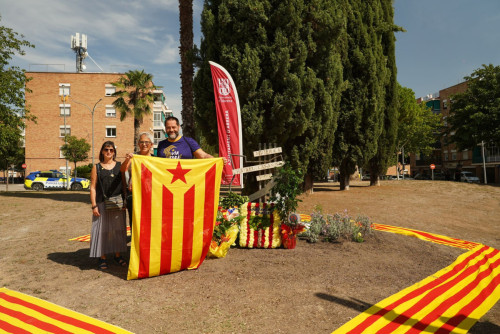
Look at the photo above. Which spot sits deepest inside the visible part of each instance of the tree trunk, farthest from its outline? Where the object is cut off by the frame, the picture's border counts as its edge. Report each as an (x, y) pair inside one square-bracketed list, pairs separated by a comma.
[(6, 179), (187, 72), (344, 181), (137, 126), (374, 180), (308, 184)]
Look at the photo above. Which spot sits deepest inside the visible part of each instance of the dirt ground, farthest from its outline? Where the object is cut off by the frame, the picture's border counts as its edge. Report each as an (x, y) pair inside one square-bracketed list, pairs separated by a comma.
[(314, 288)]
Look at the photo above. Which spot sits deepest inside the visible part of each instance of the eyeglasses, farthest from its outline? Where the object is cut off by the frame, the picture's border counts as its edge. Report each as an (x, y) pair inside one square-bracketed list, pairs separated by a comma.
[(108, 150), (144, 142)]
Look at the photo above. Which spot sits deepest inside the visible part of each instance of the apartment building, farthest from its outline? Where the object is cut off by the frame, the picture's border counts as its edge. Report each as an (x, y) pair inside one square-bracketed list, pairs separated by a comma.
[(446, 157), (86, 112)]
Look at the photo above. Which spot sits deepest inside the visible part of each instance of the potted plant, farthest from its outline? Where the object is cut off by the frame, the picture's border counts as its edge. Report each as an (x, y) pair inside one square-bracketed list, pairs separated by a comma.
[(288, 186)]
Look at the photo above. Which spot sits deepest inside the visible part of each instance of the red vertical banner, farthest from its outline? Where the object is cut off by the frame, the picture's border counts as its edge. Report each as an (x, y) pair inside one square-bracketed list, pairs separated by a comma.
[(227, 107)]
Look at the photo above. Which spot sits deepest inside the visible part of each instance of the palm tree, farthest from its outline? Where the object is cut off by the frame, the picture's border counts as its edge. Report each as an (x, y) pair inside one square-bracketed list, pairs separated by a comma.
[(186, 53), (135, 97)]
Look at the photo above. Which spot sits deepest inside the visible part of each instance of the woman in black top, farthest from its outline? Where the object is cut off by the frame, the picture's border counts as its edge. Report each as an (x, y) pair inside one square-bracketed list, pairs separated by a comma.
[(109, 233)]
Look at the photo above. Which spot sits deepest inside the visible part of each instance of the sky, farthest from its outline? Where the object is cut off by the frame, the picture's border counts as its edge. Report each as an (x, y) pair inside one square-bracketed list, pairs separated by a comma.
[(444, 41)]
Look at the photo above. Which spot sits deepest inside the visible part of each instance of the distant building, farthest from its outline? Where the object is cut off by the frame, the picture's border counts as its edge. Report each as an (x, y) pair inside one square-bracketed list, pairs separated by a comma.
[(73, 116), (448, 160)]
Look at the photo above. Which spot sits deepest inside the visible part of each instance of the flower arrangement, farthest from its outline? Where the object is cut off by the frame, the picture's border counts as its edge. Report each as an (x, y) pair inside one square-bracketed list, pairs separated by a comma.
[(263, 231), (290, 229), (225, 231)]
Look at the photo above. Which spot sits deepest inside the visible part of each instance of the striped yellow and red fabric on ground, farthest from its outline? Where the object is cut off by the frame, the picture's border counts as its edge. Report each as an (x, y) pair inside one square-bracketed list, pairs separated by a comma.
[(436, 238), (86, 238), (450, 301), (20, 313), (175, 205)]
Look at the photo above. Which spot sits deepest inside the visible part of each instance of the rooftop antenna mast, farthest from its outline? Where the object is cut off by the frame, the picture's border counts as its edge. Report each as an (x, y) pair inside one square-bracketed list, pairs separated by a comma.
[(79, 45)]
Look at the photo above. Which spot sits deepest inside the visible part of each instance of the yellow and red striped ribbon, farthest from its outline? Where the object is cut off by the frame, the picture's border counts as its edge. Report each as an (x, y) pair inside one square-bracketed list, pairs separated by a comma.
[(450, 301), (86, 238), (22, 314), (436, 238)]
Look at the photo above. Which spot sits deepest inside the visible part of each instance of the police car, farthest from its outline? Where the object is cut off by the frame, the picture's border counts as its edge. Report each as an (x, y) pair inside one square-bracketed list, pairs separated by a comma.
[(53, 179)]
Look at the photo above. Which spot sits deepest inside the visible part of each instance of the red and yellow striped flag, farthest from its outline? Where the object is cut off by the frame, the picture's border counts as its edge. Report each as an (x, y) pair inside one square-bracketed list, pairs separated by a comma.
[(20, 313), (450, 301), (174, 210)]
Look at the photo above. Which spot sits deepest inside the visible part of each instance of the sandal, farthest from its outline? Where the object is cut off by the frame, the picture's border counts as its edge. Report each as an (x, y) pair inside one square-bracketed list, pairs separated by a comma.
[(102, 264), (121, 261)]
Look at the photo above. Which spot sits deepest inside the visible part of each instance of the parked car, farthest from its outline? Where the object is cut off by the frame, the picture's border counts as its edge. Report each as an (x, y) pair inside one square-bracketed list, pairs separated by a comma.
[(53, 179), (365, 177), (422, 177), (439, 176), (468, 177)]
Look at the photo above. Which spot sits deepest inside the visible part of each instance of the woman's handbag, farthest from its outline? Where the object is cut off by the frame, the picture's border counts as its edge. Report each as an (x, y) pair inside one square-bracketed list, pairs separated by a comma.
[(114, 203)]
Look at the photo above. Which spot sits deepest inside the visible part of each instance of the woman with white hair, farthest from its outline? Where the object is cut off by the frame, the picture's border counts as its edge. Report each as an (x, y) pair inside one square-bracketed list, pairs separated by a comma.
[(145, 144)]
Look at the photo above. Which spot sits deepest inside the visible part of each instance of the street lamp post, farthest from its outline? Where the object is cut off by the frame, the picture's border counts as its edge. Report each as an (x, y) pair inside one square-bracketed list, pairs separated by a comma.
[(92, 112), (64, 97), (484, 162)]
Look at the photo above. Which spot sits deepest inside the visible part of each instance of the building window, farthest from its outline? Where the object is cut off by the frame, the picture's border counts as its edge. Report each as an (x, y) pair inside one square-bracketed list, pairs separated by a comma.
[(158, 136), (465, 155), (65, 109), (109, 90), (110, 110), (62, 132), (158, 122), (453, 155), (446, 157), (61, 155), (64, 89), (445, 104), (111, 131)]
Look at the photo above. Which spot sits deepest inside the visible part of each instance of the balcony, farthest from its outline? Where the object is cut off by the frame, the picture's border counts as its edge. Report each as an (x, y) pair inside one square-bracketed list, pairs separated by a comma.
[(491, 155)]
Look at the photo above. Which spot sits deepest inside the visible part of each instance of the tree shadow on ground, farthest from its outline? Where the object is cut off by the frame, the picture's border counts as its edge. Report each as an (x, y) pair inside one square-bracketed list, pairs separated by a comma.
[(361, 306), (82, 261), (335, 186), (64, 196)]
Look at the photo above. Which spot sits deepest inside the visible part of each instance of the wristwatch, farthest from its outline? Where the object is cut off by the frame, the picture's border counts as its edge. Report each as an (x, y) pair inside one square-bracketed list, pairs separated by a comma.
[(95, 206)]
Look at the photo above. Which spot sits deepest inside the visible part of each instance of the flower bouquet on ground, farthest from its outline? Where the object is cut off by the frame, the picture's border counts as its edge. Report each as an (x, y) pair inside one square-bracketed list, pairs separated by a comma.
[(260, 227), (290, 229), (225, 231)]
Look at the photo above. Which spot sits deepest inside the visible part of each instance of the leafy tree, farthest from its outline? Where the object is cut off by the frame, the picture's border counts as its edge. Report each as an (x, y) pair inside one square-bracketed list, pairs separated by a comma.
[(284, 58), (187, 69), (367, 71), (135, 97), (475, 113), (13, 111), (75, 150), (417, 124), (379, 163)]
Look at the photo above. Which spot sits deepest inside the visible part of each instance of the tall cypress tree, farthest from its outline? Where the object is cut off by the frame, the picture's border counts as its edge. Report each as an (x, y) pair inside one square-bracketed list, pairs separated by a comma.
[(284, 59), (386, 144), (361, 116)]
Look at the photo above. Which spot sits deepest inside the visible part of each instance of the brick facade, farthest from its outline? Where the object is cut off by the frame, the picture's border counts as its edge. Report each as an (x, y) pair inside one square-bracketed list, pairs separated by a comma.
[(43, 140)]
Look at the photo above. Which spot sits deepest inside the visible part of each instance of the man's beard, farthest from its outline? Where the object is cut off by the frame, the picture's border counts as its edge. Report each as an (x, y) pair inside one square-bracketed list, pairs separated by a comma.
[(173, 135)]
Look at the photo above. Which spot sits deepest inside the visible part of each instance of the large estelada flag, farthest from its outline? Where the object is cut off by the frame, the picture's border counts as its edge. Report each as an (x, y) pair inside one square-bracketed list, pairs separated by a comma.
[(227, 107), (174, 209)]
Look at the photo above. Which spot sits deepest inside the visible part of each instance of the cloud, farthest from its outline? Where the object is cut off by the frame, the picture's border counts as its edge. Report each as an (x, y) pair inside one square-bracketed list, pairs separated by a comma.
[(169, 53)]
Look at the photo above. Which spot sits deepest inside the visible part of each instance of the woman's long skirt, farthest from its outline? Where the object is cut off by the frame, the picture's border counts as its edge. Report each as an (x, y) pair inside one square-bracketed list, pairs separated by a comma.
[(109, 232)]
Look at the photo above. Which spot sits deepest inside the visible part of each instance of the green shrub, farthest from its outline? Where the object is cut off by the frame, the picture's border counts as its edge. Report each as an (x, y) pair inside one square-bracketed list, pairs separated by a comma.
[(83, 171)]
